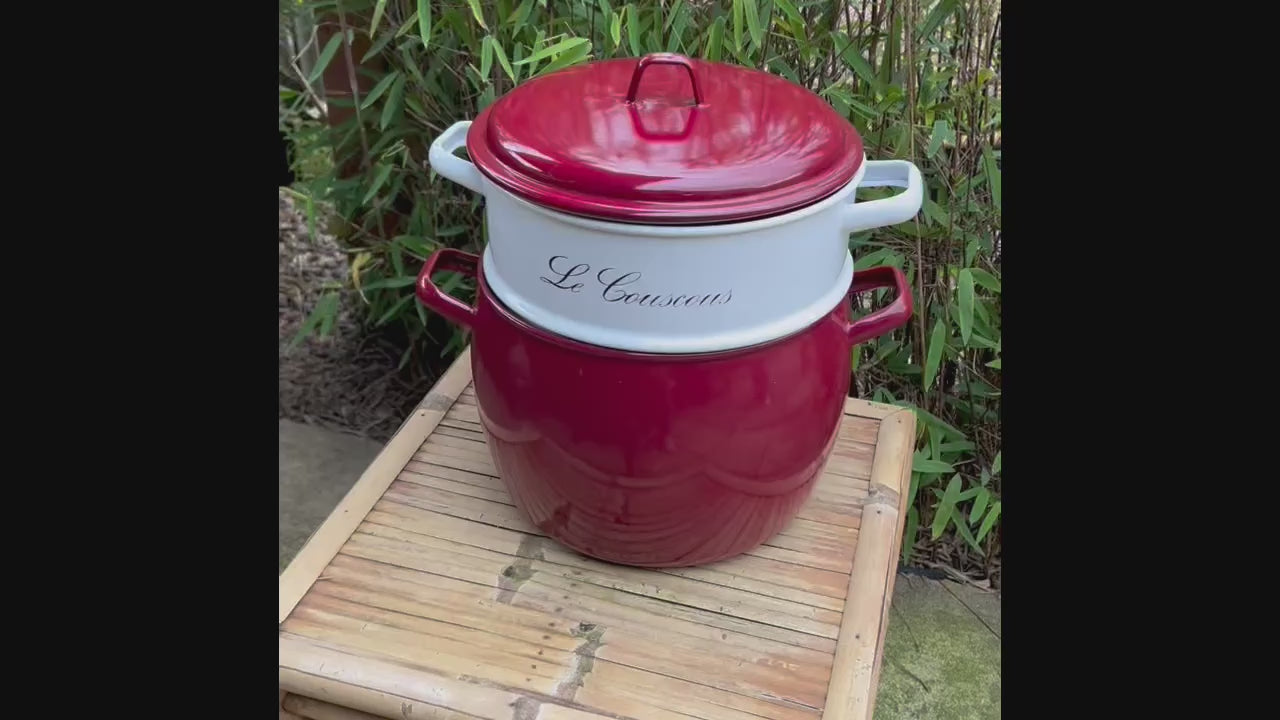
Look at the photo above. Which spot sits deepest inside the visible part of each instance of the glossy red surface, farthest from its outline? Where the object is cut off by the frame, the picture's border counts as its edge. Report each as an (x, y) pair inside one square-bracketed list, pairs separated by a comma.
[(665, 140), (657, 460)]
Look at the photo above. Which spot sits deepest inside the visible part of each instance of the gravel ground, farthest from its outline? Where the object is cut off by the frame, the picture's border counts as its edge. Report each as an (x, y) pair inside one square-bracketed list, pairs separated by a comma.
[(346, 381)]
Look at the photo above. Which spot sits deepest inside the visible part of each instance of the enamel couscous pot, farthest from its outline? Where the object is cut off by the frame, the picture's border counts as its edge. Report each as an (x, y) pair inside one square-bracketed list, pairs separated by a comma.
[(662, 332)]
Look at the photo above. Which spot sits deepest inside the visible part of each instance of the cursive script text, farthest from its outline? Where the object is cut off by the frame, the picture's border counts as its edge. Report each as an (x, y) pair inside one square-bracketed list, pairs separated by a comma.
[(621, 286), (565, 275)]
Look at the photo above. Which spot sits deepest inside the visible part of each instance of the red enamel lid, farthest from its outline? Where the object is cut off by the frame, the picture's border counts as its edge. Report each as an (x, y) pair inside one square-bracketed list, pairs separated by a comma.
[(665, 140)]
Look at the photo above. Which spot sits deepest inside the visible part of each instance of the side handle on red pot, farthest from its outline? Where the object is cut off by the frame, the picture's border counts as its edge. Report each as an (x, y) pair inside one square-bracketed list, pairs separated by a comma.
[(889, 318), (434, 298)]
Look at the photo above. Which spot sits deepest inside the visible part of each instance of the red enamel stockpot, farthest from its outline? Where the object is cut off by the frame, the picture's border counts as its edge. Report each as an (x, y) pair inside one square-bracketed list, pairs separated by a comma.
[(658, 460)]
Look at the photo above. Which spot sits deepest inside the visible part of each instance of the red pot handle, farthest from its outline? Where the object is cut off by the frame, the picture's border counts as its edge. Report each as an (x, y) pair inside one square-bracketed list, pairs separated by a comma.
[(663, 59), (889, 318), (436, 299)]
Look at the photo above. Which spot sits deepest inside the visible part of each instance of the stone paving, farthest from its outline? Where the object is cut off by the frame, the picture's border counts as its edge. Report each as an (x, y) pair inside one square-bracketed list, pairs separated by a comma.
[(942, 652), (317, 467)]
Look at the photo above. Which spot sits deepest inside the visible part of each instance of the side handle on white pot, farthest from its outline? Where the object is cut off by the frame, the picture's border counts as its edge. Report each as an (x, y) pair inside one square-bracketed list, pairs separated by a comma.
[(859, 216), (448, 165)]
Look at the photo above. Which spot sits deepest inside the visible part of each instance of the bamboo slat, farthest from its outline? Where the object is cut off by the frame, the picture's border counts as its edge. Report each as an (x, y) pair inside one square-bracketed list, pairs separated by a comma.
[(427, 594)]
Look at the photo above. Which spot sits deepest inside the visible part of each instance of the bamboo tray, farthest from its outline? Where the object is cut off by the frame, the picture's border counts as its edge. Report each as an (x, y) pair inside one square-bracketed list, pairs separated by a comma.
[(426, 594)]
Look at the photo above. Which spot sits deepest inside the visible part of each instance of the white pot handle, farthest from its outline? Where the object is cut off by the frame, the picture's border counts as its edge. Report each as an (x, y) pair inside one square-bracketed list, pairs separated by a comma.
[(448, 165), (902, 207)]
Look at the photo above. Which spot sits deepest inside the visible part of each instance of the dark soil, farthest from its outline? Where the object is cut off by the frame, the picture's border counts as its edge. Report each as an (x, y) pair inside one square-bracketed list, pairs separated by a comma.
[(347, 381)]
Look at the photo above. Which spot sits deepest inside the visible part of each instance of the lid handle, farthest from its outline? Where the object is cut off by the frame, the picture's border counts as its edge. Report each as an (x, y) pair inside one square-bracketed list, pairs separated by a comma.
[(663, 59)]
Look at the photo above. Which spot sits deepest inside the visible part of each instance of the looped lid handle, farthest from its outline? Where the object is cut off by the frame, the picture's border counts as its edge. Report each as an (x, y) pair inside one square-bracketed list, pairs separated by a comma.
[(663, 59)]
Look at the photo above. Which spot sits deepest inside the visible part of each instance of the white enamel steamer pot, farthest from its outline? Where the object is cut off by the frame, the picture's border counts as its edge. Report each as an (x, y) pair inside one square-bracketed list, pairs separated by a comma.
[(670, 205)]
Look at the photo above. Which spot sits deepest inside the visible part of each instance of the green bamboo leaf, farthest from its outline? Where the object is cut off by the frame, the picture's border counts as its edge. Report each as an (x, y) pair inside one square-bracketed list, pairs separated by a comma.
[(486, 98), (322, 316), (520, 14), (737, 25), (986, 279), (486, 57), (964, 294), (781, 67), (995, 466), (923, 464), (979, 506), (892, 52), (415, 107), (909, 534), (902, 142), (326, 56), (422, 315), (994, 364), (863, 109), (671, 14), (852, 56), (562, 46), (993, 175), (789, 11), (395, 282), (933, 212), (956, 446), (410, 23), (415, 245), (412, 66), (395, 100), (377, 16), (378, 47), (967, 534), (382, 320), (876, 258), (502, 60), (397, 259), (477, 12), (715, 40), (384, 171), (989, 521), (424, 22), (942, 133), (940, 12), (573, 56), (946, 506), (933, 421), (652, 43), (933, 355), (675, 39), (378, 89), (615, 29), (752, 13), (633, 30)]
